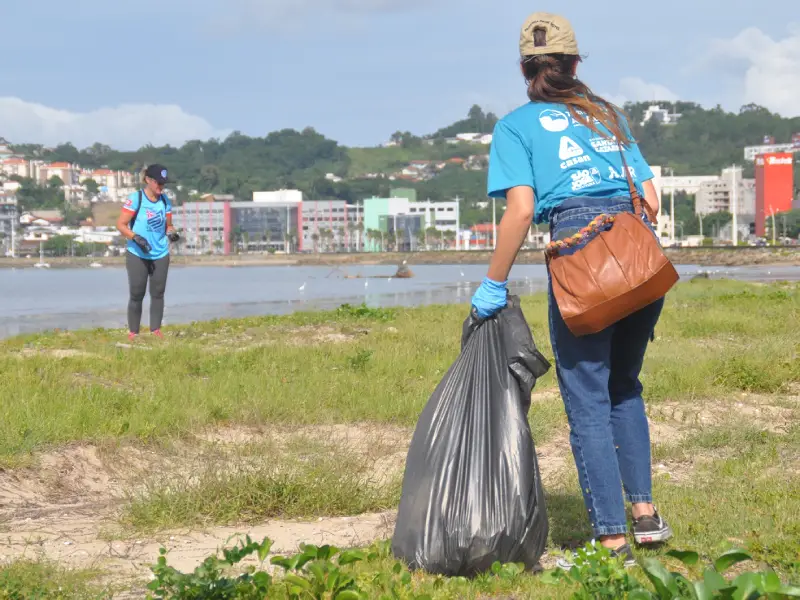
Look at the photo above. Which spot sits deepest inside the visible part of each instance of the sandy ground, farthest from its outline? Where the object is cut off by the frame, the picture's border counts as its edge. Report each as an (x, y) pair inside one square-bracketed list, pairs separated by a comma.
[(65, 506)]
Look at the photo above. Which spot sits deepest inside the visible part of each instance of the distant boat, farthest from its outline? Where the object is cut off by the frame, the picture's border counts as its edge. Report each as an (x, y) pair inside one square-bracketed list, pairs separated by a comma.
[(96, 265)]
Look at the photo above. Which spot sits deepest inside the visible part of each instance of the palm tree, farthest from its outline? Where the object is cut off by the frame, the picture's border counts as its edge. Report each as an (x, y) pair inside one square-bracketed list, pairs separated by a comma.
[(203, 241), (360, 230), (340, 234), (431, 233), (450, 236), (246, 240), (329, 236), (323, 236), (315, 239), (218, 245)]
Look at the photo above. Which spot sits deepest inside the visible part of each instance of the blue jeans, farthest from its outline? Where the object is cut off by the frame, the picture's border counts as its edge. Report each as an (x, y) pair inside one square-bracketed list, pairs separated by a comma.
[(598, 375)]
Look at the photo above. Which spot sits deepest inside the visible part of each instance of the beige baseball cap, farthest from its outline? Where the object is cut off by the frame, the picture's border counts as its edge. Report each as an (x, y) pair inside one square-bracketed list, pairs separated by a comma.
[(560, 35)]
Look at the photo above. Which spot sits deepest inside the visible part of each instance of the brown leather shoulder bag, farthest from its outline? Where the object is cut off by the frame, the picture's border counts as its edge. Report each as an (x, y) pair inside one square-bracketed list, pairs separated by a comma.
[(619, 271)]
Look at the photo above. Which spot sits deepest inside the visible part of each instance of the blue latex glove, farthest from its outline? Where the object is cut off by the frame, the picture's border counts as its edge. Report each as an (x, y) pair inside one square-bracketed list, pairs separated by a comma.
[(490, 298)]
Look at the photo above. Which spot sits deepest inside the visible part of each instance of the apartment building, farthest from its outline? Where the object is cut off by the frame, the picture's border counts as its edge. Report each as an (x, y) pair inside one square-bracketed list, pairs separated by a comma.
[(334, 225), (716, 196)]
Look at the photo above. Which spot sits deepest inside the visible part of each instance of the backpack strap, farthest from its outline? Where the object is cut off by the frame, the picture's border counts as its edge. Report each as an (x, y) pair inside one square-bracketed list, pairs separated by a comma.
[(135, 214)]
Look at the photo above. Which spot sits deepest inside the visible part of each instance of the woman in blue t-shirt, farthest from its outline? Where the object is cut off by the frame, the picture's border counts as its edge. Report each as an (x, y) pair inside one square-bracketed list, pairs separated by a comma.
[(146, 222), (557, 160)]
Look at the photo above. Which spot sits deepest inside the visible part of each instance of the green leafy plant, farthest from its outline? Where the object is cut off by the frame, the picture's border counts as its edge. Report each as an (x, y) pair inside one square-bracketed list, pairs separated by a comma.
[(360, 360), (315, 573), (208, 581), (362, 311), (601, 576), (747, 586)]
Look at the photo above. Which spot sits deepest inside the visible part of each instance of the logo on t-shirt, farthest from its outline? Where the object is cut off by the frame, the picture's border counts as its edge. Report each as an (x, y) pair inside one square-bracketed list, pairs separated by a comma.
[(614, 174), (585, 178), (155, 220), (571, 153), (603, 144), (553, 120), (568, 148)]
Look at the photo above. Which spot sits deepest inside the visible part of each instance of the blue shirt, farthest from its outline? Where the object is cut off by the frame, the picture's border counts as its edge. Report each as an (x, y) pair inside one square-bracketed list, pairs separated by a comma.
[(151, 224), (542, 146)]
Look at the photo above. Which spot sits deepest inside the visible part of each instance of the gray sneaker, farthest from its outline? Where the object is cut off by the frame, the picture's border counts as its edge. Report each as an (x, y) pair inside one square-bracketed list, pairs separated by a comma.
[(625, 552), (651, 530)]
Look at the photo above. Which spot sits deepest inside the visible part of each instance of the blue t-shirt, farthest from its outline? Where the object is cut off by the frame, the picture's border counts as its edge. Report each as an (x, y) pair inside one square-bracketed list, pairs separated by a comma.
[(151, 224), (542, 146)]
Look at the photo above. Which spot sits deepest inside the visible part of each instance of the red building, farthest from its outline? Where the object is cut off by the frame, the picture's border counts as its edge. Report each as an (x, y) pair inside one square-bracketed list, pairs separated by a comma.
[(774, 187)]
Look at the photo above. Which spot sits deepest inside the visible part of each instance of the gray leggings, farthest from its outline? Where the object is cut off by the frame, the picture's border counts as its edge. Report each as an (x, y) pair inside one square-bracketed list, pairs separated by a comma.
[(139, 271)]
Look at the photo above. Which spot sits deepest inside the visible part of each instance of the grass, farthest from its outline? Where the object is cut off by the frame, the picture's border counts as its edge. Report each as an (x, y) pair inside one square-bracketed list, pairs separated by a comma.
[(30, 580), (722, 375), (714, 339), (392, 159), (313, 478)]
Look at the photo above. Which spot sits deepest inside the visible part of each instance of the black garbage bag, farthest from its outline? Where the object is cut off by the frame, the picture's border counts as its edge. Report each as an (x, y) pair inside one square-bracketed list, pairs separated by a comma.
[(472, 492)]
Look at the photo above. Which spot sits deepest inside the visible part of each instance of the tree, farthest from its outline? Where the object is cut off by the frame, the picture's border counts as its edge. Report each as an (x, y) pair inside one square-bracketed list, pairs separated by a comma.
[(360, 231), (91, 186), (55, 182)]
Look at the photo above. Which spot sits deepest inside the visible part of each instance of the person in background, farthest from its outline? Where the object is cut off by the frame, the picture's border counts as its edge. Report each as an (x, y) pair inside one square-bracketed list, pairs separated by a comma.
[(557, 160), (146, 222)]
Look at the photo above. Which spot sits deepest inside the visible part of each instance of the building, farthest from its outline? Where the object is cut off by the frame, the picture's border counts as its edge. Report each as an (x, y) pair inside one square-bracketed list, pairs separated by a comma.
[(660, 115), (114, 185), (8, 224), (279, 197), (217, 198), (715, 196), (403, 223), (774, 187), (752, 152), (66, 172), (15, 165), (688, 184), (5, 149), (333, 225), (224, 227)]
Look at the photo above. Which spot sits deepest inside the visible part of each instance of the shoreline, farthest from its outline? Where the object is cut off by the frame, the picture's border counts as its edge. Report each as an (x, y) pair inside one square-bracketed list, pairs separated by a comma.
[(729, 257)]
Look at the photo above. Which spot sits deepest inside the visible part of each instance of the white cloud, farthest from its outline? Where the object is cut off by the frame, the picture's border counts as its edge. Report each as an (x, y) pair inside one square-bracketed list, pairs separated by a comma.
[(635, 89), (768, 69), (124, 127)]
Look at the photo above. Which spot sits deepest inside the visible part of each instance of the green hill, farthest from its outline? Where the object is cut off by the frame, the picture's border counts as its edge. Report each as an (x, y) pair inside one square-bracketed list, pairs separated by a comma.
[(702, 142)]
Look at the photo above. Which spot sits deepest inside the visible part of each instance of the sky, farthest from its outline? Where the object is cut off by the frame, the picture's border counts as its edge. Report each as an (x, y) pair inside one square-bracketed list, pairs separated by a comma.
[(127, 73)]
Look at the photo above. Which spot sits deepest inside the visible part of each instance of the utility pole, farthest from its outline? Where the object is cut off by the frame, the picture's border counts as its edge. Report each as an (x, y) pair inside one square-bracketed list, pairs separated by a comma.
[(13, 234), (772, 214), (458, 223), (672, 206), (734, 208)]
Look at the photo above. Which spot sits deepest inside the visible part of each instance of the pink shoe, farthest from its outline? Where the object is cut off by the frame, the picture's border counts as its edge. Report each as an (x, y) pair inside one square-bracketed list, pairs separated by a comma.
[(158, 334), (132, 336)]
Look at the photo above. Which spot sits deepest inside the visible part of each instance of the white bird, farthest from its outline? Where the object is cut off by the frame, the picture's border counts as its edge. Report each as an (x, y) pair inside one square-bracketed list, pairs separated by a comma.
[(366, 284), (462, 273), (302, 287)]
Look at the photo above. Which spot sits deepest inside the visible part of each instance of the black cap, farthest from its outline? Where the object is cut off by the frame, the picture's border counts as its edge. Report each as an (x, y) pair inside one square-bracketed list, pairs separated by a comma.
[(158, 173)]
